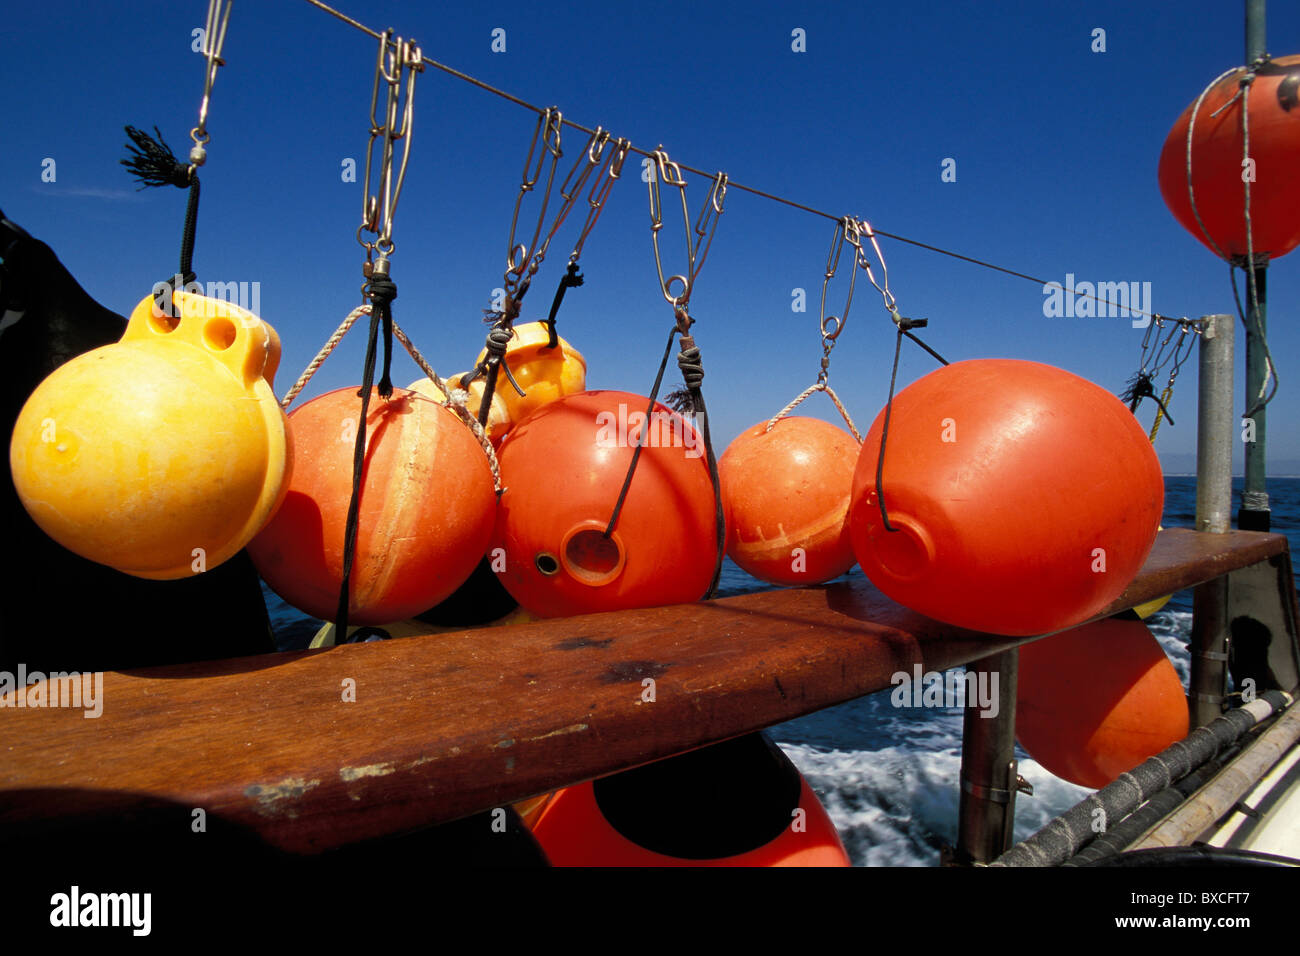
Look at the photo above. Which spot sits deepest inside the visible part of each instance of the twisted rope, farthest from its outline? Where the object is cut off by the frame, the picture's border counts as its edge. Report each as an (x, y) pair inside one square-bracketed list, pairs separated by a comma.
[(818, 387), (456, 398)]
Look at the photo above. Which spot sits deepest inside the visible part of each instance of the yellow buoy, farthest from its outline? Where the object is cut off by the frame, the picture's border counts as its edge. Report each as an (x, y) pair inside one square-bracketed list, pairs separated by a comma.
[(545, 374), (498, 418), (163, 454)]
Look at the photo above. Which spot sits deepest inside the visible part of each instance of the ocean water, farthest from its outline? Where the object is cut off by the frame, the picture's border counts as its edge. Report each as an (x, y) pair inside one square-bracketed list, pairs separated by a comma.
[(888, 776)]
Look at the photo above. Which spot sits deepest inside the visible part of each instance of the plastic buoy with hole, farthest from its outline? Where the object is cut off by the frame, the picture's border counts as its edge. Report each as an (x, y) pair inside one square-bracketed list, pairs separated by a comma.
[(787, 498), (562, 469), (1025, 498), (1095, 701), (163, 454), (427, 508), (737, 803), (498, 418), (544, 374), (1218, 175)]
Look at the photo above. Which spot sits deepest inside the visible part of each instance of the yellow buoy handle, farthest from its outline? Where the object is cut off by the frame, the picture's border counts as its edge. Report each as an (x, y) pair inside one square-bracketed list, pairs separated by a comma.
[(235, 337)]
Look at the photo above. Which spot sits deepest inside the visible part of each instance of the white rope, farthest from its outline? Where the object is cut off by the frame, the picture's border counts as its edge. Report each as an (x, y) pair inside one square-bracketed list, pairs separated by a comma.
[(456, 398), (819, 387)]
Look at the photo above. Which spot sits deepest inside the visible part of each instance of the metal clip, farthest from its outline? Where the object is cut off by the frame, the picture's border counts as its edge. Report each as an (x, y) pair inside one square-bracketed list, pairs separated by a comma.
[(214, 38), (547, 131), (698, 239), (396, 57), (611, 170), (891, 305)]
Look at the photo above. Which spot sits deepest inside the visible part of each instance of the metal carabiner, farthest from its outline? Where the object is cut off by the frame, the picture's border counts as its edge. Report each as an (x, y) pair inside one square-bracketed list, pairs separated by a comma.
[(670, 172), (214, 38), (831, 325), (611, 170), (549, 124), (394, 58)]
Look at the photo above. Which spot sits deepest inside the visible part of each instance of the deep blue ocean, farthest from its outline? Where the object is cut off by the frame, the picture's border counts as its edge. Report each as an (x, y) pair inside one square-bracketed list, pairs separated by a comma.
[(888, 776)]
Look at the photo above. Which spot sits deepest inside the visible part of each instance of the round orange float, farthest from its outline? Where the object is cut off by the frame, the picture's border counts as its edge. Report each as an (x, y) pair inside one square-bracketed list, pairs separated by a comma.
[(562, 469), (544, 373), (1095, 701), (1025, 498), (1217, 170), (426, 511), (787, 500), (738, 803)]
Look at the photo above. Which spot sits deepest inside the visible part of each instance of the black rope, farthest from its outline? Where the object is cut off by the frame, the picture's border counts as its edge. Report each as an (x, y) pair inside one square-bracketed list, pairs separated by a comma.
[(153, 163), (381, 291), (636, 452), (494, 362), (688, 400), (905, 326), (1140, 387), (570, 279)]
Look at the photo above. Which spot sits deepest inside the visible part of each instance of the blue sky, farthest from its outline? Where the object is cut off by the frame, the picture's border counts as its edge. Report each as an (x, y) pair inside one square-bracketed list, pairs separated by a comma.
[(1055, 149)]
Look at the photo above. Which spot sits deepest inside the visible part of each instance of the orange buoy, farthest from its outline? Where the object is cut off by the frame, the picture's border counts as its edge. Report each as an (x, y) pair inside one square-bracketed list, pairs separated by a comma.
[(426, 512), (562, 469), (1217, 180), (787, 500), (544, 374), (1097, 700), (163, 454), (1026, 498), (739, 803)]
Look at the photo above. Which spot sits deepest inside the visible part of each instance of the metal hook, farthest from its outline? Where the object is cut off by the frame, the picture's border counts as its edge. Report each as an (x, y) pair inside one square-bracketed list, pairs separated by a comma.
[(611, 170), (214, 38), (547, 130), (394, 58), (698, 240)]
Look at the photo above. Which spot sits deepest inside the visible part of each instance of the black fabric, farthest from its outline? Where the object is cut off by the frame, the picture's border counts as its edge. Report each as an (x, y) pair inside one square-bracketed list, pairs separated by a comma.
[(59, 611), (719, 801)]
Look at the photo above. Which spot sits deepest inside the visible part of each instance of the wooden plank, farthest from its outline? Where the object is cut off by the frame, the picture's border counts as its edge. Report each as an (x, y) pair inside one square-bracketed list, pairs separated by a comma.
[(449, 724)]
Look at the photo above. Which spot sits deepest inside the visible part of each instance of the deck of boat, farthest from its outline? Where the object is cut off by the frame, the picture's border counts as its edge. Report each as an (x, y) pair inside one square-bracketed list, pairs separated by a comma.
[(449, 724)]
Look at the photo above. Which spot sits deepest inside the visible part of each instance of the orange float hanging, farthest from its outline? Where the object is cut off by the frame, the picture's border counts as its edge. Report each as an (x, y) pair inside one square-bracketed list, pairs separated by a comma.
[(786, 493), (426, 512), (163, 454), (1025, 498), (1217, 172), (739, 803), (1095, 701), (562, 469)]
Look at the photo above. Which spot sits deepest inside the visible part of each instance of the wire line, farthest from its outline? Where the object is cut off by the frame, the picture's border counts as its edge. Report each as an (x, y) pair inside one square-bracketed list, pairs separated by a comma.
[(732, 184)]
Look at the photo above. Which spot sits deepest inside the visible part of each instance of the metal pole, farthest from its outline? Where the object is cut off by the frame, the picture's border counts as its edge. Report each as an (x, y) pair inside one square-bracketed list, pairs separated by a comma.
[(986, 814), (1254, 514), (1214, 425), (1214, 433)]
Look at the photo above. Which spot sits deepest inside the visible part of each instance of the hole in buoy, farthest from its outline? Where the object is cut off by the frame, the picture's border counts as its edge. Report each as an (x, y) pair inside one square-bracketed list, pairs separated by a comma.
[(905, 554), (591, 557), (546, 563), (219, 334), (162, 322)]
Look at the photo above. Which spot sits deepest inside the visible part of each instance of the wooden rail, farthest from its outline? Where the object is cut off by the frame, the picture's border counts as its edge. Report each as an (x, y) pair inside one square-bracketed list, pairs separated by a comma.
[(446, 725)]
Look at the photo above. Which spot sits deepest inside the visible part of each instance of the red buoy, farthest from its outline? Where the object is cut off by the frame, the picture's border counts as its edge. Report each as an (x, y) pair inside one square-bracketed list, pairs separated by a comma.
[(787, 500), (427, 508), (1026, 498), (1095, 701), (1217, 180), (562, 468)]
